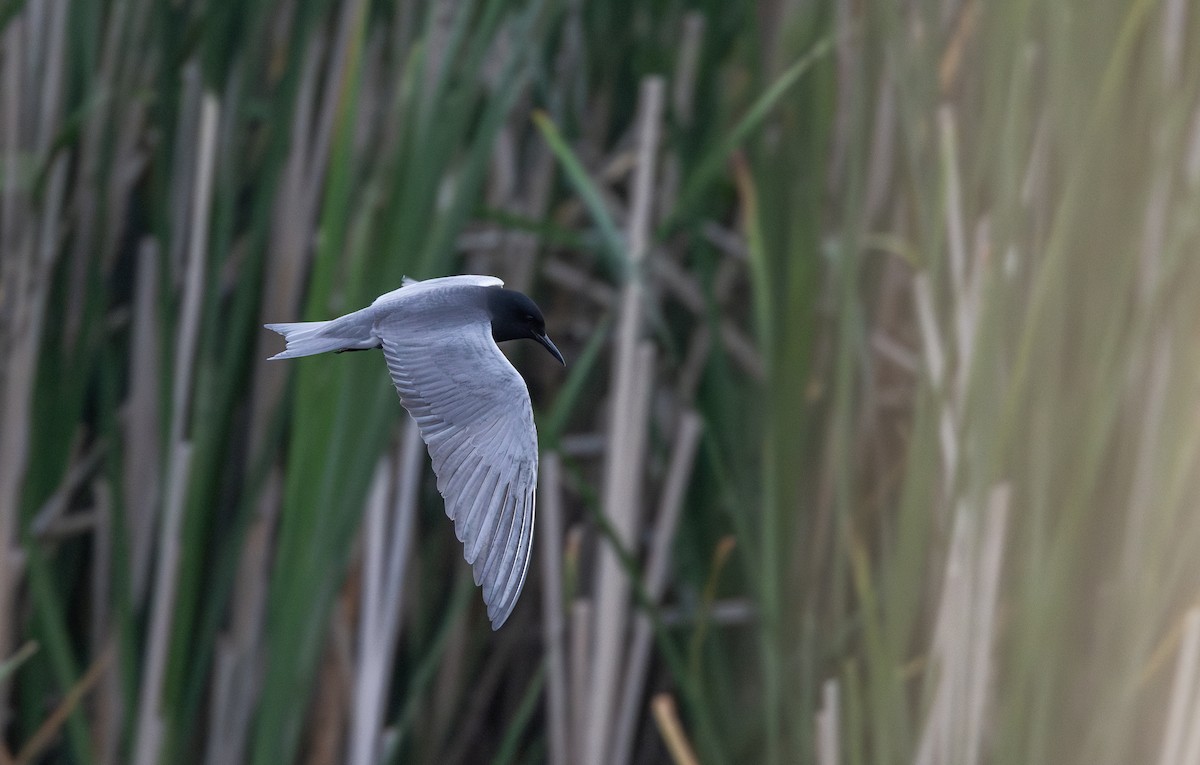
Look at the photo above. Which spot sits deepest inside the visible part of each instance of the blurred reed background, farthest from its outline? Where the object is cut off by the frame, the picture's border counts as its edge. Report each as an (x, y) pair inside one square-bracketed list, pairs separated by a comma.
[(878, 443)]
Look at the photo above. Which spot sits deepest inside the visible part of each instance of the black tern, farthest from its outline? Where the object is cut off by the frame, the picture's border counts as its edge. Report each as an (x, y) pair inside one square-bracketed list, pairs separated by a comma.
[(472, 407)]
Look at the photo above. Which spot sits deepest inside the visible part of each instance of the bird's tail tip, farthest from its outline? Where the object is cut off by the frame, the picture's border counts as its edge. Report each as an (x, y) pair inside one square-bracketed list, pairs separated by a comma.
[(304, 338)]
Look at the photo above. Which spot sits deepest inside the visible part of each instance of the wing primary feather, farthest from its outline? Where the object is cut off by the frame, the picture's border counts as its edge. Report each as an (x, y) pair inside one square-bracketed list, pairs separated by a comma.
[(498, 552), (446, 466), (521, 553), (488, 560), (505, 599), (484, 519), (494, 446), (464, 479), (490, 572), (516, 572), (474, 504), (458, 505)]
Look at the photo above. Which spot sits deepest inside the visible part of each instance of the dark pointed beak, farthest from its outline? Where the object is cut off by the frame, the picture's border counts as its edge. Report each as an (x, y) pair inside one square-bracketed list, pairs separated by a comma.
[(545, 341)]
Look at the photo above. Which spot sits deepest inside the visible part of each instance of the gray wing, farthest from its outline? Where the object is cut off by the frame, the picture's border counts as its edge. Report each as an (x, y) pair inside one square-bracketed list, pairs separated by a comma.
[(474, 414)]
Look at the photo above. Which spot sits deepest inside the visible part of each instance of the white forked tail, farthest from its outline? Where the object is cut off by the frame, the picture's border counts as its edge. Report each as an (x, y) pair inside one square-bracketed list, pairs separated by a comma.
[(305, 338)]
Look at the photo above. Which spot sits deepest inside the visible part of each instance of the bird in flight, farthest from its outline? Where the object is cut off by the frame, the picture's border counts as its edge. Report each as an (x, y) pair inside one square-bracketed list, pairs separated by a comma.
[(439, 339)]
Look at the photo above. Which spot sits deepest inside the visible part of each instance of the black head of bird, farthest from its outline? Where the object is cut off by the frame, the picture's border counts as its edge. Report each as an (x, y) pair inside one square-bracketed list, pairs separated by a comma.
[(515, 317)]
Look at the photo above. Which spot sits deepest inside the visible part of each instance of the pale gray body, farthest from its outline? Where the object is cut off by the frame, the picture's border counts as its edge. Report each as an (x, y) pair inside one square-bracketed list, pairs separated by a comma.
[(471, 406)]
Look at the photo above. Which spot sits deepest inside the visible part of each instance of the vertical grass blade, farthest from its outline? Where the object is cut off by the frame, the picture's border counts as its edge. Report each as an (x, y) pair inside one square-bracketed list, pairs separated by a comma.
[(631, 391), (149, 738)]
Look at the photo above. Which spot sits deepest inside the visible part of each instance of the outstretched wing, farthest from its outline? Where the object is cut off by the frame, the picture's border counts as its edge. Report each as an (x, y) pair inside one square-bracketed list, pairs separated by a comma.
[(474, 414), (409, 287)]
